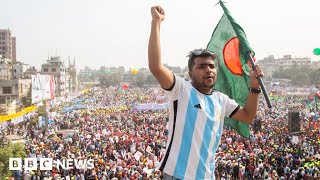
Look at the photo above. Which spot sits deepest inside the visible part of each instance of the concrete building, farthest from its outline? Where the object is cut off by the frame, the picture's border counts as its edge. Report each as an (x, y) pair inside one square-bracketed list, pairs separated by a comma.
[(30, 71), (316, 64), (55, 67), (120, 70), (6, 68), (270, 64), (14, 89), (86, 72), (14, 49), (19, 69), (7, 45)]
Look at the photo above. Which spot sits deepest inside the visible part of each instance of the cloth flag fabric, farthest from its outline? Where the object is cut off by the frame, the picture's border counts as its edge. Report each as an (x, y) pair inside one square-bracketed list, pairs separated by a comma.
[(230, 44)]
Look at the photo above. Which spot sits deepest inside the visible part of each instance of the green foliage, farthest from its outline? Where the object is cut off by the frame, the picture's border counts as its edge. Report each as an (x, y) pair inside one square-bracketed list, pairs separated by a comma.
[(27, 100), (151, 79), (138, 79), (42, 111), (299, 76), (11, 151)]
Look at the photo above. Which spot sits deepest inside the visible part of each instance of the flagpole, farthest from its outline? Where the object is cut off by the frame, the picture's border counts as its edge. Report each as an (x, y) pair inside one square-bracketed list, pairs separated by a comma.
[(260, 81)]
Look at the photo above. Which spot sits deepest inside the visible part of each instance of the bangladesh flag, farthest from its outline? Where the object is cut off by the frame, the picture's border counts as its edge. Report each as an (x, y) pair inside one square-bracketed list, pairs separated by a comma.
[(230, 44)]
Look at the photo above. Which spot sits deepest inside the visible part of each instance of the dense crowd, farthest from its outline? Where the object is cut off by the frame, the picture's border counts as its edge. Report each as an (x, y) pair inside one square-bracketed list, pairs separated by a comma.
[(128, 144)]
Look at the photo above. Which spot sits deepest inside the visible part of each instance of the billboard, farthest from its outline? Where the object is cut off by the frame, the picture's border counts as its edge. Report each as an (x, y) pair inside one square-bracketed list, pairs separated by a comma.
[(43, 87)]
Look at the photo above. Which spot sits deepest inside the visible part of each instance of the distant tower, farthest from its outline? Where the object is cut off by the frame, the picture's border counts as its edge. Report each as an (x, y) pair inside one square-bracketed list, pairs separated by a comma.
[(73, 75), (14, 55), (7, 45)]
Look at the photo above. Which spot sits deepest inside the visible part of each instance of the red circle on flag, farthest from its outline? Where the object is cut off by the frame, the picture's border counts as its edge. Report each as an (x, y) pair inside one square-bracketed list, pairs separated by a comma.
[(231, 56)]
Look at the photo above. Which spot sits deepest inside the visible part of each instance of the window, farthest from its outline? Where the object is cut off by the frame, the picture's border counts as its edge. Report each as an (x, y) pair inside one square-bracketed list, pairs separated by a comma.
[(53, 69), (45, 69), (7, 90)]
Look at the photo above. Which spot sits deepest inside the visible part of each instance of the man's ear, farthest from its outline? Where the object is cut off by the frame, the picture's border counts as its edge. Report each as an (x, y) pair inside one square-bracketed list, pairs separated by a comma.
[(190, 74)]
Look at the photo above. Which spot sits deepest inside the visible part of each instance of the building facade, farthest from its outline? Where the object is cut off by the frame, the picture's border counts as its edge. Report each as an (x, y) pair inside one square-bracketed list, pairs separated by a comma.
[(7, 44), (14, 89), (19, 70), (30, 71), (55, 67), (6, 68), (271, 64), (14, 50)]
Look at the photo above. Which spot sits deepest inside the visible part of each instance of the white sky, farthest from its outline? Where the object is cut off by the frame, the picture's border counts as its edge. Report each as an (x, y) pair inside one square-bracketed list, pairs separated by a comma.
[(116, 32)]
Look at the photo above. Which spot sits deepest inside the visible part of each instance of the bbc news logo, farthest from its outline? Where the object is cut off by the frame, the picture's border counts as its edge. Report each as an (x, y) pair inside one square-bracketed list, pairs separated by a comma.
[(48, 163)]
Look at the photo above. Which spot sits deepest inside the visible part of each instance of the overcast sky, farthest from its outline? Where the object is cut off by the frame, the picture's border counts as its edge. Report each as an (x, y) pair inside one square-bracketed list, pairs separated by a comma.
[(116, 32)]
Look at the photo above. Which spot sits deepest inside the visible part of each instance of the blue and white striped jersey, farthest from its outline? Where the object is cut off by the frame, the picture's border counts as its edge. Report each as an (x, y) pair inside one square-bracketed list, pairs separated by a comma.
[(195, 127)]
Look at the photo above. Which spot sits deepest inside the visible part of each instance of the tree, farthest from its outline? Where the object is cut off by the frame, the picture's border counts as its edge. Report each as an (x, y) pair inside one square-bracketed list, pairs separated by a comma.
[(27, 100), (139, 79), (300, 76), (11, 151), (116, 78), (315, 77), (151, 79)]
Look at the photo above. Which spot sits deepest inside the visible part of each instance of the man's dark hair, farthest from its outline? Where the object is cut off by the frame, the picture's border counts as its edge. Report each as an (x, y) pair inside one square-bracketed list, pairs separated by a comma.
[(198, 53)]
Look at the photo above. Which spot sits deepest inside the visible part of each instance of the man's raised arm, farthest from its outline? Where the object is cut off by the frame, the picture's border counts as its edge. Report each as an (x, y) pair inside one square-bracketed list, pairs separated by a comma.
[(162, 74)]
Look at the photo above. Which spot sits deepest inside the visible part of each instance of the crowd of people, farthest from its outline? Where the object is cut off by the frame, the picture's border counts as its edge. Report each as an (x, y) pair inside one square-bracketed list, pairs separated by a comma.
[(273, 152), (126, 143)]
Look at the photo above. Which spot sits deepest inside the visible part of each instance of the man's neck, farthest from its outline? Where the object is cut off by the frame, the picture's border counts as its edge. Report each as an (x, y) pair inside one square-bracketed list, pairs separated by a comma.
[(203, 90)]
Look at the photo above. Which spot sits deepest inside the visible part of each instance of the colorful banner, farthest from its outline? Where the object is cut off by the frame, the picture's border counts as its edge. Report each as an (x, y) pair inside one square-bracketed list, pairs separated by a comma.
[(151, 106), (18, 114), (43, 87)]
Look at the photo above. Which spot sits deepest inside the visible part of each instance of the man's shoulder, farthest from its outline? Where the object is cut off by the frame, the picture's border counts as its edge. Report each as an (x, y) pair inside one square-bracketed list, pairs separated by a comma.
[(178, 77), (218, 93)]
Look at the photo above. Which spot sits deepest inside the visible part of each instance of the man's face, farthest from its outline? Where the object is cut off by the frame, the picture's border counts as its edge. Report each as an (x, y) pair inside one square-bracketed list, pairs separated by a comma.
[(203, 74)]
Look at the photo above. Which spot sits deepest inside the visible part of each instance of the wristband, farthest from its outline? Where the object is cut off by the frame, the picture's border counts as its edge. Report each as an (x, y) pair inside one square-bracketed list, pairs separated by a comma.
[(255, 90)]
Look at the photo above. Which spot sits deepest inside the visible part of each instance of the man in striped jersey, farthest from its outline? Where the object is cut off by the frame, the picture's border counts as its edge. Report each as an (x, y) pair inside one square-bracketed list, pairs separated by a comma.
[(196, 114)]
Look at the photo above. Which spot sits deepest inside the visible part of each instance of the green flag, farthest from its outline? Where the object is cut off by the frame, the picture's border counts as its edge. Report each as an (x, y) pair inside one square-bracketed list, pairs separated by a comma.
[(230, 44)]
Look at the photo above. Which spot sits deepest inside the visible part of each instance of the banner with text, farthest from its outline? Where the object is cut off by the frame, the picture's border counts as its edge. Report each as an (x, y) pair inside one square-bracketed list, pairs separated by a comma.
[(43, 87), (150, 106)]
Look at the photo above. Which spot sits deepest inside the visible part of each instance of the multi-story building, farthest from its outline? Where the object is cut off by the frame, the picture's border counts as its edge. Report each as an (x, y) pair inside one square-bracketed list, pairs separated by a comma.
[(5, 68), (270, 64), (30, 71), (85, 72), (55, 67), (7, 45), (19, 69), (14, 89), (14, 49), (316, 64), (120, 70)]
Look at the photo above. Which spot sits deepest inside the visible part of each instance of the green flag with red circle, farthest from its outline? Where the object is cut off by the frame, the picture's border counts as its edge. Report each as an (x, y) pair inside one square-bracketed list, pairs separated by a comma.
[(230, 44)]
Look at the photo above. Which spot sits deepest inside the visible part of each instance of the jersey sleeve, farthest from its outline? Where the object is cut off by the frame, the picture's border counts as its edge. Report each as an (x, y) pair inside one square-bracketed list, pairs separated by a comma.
[(231, 106), (177, 86)]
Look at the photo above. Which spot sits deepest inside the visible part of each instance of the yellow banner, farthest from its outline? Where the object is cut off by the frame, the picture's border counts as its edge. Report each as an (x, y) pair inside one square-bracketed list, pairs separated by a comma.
[(18, 114)]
